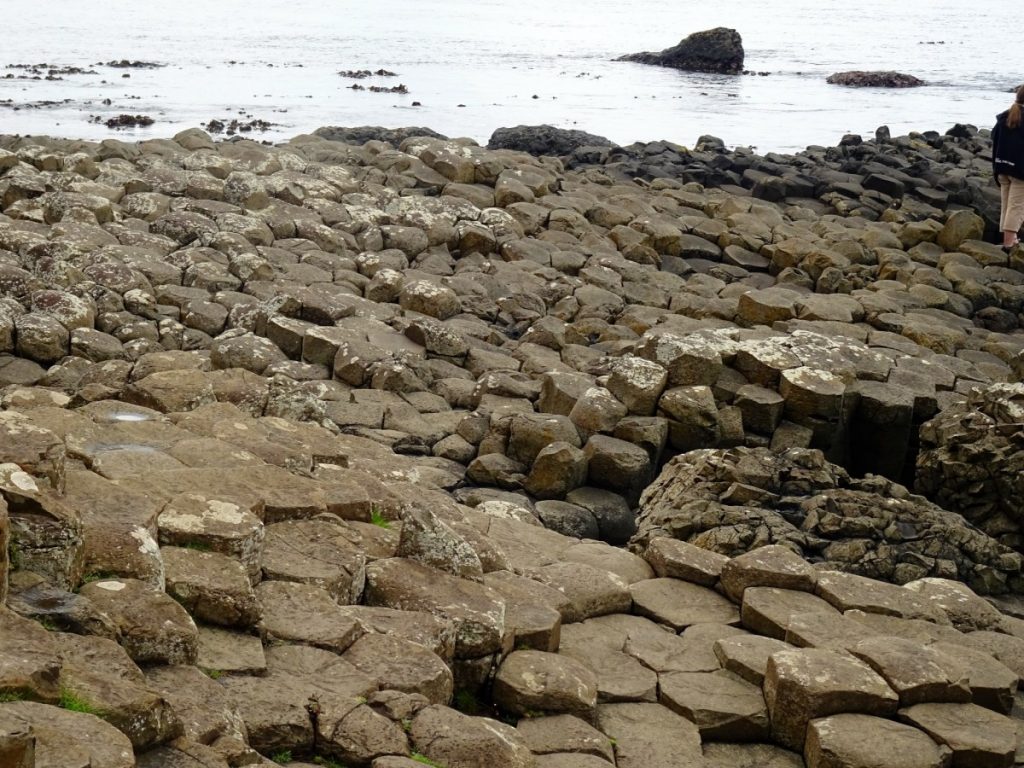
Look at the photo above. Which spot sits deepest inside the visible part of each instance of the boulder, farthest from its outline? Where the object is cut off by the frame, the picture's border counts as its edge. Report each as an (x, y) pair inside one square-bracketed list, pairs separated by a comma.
[(718, 50)]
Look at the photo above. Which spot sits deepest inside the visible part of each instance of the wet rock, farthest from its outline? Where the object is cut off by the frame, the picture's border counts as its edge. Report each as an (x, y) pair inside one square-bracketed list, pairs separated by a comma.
[(715, 50), (859, 79)]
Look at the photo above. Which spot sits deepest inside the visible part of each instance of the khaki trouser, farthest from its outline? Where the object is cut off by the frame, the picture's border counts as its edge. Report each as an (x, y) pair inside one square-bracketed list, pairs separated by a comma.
[(1012, 216)]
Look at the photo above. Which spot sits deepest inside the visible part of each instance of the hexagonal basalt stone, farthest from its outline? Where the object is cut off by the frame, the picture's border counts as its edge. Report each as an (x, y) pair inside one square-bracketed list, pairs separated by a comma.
[(805, 684)]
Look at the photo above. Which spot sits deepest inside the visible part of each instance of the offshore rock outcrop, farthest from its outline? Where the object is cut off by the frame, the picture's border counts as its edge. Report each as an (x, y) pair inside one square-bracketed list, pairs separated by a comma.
[(718, 50)]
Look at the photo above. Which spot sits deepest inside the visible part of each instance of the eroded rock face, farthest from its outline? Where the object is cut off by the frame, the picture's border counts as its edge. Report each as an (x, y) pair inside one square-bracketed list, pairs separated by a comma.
[(971, 461), (715, 50), (736, 500)]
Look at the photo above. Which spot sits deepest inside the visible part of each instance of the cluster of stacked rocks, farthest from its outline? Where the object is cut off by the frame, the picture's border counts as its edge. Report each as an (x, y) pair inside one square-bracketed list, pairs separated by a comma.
[(321, 452)]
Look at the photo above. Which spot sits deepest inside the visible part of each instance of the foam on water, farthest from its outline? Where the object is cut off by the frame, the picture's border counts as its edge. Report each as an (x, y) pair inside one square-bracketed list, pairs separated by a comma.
[(493, 58)]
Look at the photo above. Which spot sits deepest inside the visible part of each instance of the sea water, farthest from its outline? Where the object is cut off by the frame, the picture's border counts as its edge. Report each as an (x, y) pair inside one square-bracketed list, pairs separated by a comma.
[(471, 66)]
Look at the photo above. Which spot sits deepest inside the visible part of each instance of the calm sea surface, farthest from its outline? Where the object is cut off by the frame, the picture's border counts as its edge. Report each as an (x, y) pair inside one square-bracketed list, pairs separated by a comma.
[(475, 65)]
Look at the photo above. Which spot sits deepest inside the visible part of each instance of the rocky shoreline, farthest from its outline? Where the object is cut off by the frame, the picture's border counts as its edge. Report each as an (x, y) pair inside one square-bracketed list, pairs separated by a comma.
[(379, 448)]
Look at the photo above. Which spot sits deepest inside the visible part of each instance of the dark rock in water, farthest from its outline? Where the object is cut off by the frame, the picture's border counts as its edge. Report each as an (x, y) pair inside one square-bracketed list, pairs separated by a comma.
[(879, 79), (545, 140), (718, 50), (359, 135)]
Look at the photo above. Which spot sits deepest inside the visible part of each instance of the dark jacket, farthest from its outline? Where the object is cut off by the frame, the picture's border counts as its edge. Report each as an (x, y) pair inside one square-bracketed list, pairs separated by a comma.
[(1007, 148)]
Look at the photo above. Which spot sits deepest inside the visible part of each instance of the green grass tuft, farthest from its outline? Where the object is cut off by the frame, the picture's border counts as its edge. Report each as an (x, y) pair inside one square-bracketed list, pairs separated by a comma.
[(74, 703), (378, 519), (283, 757), (213, 674), (425, 760), (6, 696)]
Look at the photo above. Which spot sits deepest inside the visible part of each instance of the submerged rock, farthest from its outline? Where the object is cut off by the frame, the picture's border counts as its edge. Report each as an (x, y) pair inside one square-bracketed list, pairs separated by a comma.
[(876, 79)]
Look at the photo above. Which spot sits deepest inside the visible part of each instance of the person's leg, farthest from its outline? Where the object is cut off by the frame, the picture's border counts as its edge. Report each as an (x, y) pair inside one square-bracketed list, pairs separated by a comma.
[(1005, 183), (1014, 219)]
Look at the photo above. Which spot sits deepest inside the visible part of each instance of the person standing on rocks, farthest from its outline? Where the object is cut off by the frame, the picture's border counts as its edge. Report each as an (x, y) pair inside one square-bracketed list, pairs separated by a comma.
[(1008, 166)]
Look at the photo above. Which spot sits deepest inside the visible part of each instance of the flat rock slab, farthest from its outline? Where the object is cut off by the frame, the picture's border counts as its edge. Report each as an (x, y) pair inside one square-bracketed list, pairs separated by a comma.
[(435, 633), (770, 566), (724, 707), (917, 674), (273, 707), (301, 613), (66, 739), (767, 610), (201, 704), (992, 683), (805, 684), (535, 681), (859, 741), (534, 609), (212, 587), (848, 591), (750, 756), (620, 676), (154, 629), (649, 736), (660, 649), (747, 655), (401, 665), (681, 560), (451, 738), (679, 604), (978, 737), (223, 525), (590, 591), (315, 552), (564, 734), (224, 651), (98, 673), (30, 661), (477, 611)]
